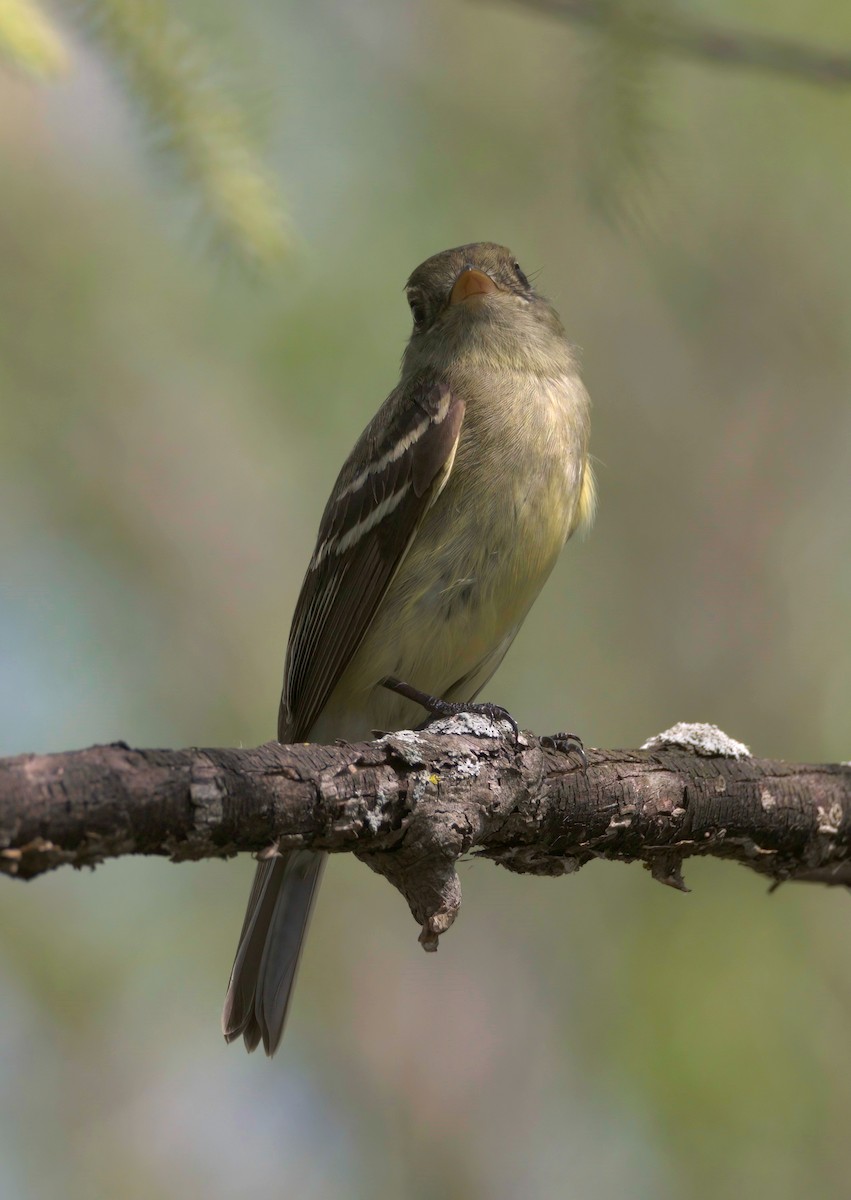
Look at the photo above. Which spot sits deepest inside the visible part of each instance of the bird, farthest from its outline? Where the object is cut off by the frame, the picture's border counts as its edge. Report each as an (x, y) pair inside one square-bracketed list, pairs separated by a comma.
[(444, 523)]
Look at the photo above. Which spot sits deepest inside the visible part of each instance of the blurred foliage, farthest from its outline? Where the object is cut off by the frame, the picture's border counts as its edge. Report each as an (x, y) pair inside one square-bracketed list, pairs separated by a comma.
[(173, 83), (169, 431), (29, 41), (175, 89), (620, 135)]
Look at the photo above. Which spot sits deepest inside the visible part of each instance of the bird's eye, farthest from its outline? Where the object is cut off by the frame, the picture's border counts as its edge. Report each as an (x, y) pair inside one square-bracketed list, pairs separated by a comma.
[(418, 312), (521, 277)]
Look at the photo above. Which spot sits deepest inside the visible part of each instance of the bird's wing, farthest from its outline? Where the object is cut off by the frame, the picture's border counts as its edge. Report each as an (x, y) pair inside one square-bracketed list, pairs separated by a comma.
[(395, 472)]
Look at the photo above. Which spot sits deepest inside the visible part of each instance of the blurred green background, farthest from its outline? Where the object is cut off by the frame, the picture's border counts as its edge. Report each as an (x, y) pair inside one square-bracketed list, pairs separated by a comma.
[(170, 425)]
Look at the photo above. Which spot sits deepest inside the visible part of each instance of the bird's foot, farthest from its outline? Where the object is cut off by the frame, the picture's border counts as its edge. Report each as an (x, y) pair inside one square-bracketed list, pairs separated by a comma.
[(567, 743), (451, 708)]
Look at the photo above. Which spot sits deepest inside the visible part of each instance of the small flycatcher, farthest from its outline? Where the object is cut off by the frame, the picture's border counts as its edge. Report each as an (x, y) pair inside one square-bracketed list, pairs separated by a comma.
[(440, 531)]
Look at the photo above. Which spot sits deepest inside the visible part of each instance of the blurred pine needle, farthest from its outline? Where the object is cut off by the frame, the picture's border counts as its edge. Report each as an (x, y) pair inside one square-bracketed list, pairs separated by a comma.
[(620, 130), (192, 119), (172, 84), (29, 41)]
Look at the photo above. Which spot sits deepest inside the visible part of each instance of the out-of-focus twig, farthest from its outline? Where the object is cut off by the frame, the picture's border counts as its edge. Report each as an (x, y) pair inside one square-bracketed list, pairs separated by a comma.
[(690, 37)]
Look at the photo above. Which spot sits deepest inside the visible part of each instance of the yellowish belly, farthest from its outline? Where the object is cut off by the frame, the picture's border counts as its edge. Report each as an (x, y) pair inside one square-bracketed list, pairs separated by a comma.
[(459, 598)]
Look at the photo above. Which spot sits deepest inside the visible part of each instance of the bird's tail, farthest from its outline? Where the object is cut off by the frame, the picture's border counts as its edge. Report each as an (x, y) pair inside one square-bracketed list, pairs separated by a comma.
[(267, 958)]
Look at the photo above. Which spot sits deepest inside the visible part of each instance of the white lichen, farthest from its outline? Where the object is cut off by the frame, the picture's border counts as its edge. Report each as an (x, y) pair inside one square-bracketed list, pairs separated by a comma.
[(707, 740), (208, 798), (467, 767), (767, 800), (372, 820), (469, 723), (829, 819), (403, 735)]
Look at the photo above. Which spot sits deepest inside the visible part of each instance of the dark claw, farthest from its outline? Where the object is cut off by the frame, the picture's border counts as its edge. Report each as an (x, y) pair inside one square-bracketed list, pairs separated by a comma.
[(567, 743)]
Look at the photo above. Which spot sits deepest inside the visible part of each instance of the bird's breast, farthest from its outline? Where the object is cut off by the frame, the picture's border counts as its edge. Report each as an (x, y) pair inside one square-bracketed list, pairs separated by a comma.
[(482, 552), (493, 535)]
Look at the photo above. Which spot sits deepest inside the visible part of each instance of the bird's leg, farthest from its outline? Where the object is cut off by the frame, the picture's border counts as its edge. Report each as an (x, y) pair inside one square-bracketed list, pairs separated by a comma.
[(449, 708), (567, 743)]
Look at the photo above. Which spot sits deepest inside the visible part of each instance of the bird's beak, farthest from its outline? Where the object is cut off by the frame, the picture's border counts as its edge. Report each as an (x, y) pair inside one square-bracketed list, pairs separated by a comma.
[(469, 284)]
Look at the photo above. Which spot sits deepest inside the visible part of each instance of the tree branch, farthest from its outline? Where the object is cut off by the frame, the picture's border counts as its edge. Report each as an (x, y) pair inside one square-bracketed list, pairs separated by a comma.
[(690, 37), (410, 804)]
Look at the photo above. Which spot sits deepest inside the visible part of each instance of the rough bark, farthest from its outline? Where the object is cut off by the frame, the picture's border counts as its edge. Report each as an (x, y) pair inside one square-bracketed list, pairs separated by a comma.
[(410, 804)]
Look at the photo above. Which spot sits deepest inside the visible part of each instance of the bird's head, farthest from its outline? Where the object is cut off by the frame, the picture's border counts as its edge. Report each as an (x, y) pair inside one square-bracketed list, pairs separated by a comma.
[(476, 299)]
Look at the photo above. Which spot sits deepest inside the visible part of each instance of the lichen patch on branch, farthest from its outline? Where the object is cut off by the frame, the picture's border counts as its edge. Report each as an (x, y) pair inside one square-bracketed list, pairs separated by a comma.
[(700, 738)]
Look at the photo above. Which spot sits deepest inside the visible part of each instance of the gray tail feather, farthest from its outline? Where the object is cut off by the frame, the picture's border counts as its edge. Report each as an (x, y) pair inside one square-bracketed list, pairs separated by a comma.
[(267, 958)]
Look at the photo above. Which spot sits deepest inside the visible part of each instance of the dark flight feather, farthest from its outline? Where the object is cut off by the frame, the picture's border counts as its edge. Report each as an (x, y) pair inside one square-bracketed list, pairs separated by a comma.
[(367, 527)]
